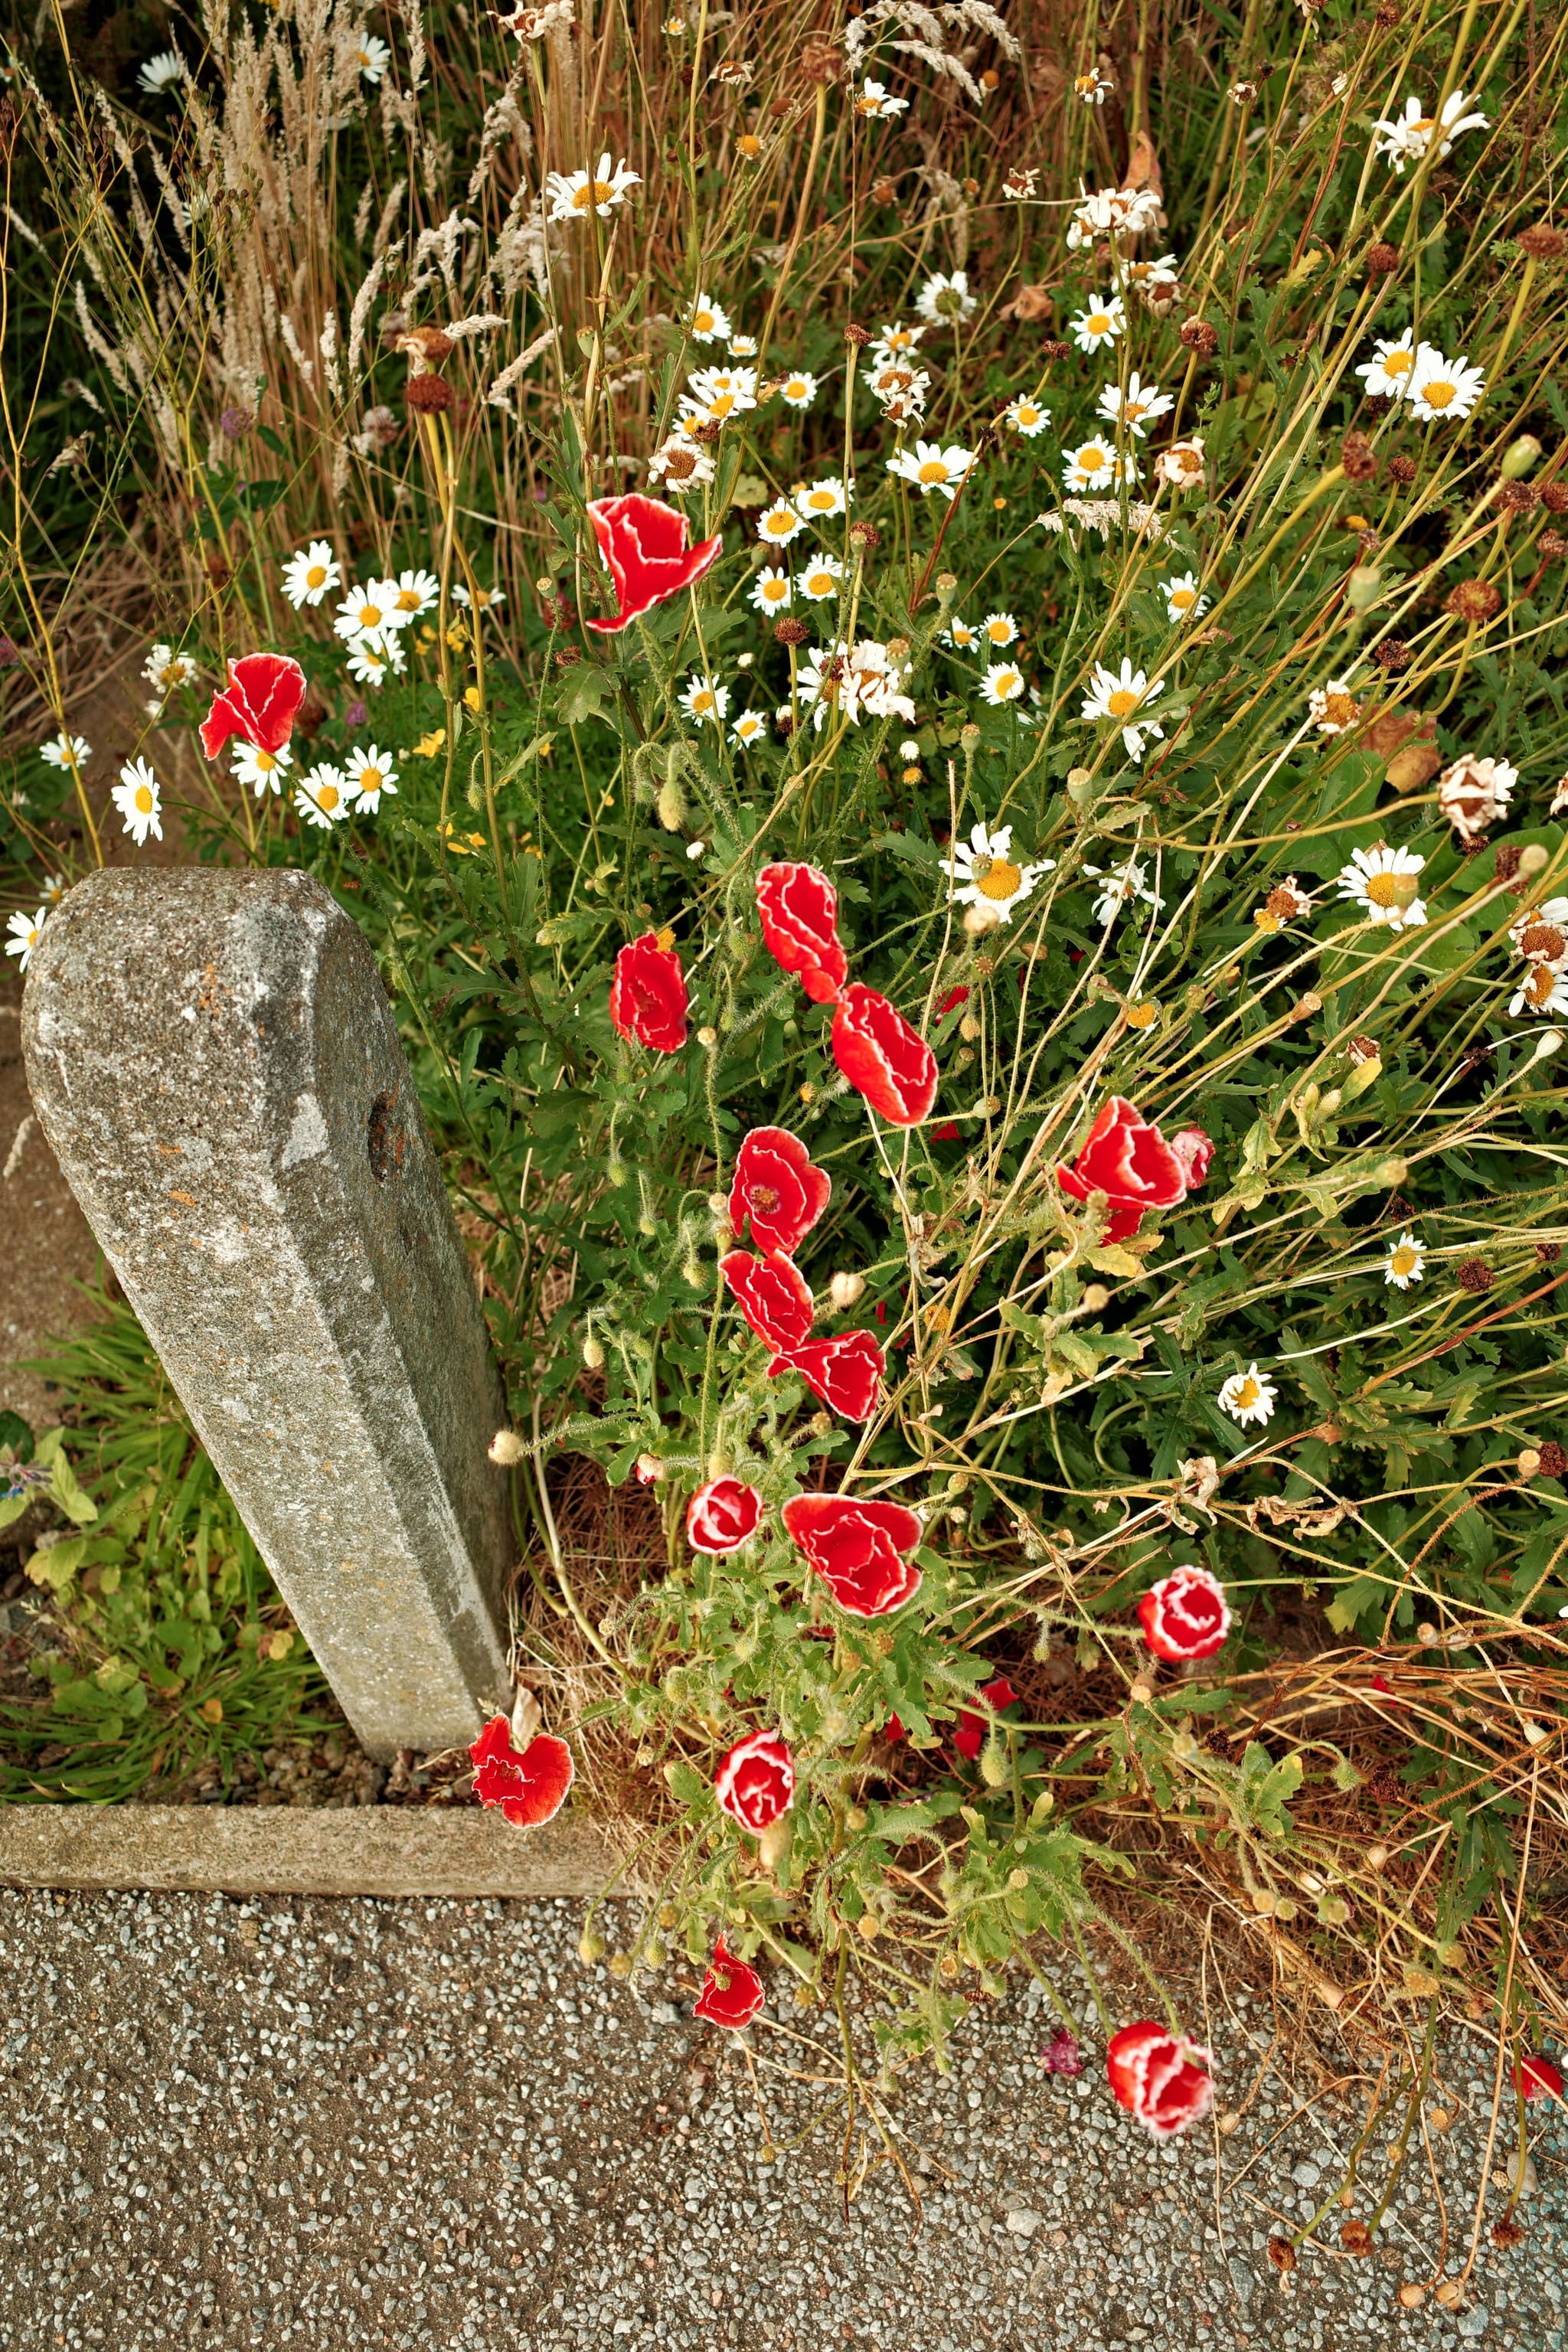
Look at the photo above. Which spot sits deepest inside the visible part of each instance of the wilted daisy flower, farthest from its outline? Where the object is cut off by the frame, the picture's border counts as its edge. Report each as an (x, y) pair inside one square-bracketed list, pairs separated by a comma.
[(1405, 1262), (1387, 373), (1183, 599), (1442, 388), (1406, 139), (1383, 883), (321, 797), (573, 196), (367, 774), (1286, 903), (1138, 407), (704, 698), (819, 579), (1121, 886), (1091, 466), (25, 932), (820, 501), (1117, 694), (1249, 1397), (1002, 683), (1333, 708), (1473, 793), (1182, 465), (900, 387), (960, 636), (895, 342), (799, 390), (163, 72), (1028, 418), (1146, 274), (1099, 325), (748, 729), (932, 467), (138, 801), (262, 771), (1543, 989), (1540, 933), (771, 590), (777, 524), (1113, 212), (862, 679), (417, 592), (1020, 181), (71, 751), (309, 572), (680, 464), (368, 614), (872, 100), (483, 600), (943, 301), (984, 874), (709, 322), (165, 672), (1094, 87)]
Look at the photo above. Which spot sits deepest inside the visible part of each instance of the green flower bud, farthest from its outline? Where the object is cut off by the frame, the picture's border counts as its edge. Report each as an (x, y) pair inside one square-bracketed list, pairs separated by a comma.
[(1520, 457)]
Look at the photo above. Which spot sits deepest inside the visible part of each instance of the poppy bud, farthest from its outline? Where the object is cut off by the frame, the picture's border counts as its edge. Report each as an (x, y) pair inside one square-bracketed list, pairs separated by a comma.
[(1363, 587), (671, 805), (994, 1766), (590, 1946), (1520, 457)]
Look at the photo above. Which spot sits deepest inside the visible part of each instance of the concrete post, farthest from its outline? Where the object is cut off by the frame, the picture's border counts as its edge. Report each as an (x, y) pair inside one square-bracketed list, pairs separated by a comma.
[(216, 1064)]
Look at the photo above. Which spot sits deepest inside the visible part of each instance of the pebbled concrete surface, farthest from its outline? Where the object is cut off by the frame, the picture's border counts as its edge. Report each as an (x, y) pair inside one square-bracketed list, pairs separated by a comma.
[(336, 2123)]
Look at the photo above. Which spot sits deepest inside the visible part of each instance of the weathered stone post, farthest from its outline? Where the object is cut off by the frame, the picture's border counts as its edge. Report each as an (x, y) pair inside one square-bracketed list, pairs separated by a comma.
[(216, 1065)]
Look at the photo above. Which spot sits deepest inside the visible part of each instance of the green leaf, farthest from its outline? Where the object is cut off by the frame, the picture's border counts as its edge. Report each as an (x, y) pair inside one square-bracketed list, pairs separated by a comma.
[(56, 1564)]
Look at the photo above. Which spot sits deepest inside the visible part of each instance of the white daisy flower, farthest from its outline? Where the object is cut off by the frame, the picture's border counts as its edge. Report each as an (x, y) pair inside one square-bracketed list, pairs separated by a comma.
[(1387, 373), (1121, 886), (1118, 694), (1003, 682), (1441, 388), (873, 101), (366, 774), (483, 600), (901, 388), (1094, 87), (1383, 883), (1163, 272), (1405, 1262), (820, 501), (859, 680), (771, 590), (748, 729), (999, 629), (1540, 990), (1028, 418), (799, 390), (1091, 466), (309, 572), (370, 663), (1138, 407), (1113, 212), (960, 636), (708, 322), (162, 72), (71, 751), (1182, 465), (1333, 710), (322, 796), (573, 196), (895, 342), (262, 771), (932, 467), (1101, 324), (778, 524), (680, 464), (1249, 1397), (53, 890), (819, 579), (1406, 139), (1182, 600), (138, 801), (417, 592), (165, 672), (716, 394), (369, 615), (744, 347), (704, 698), (25, 932), (942, 300), (1540, 934), (371, 57)]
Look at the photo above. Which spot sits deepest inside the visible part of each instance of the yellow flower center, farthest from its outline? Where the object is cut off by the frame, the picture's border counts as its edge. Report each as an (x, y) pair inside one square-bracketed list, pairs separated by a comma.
[(144, 799), (1245, 1394), (795, 388), (1422, 127), (1121, 702), (1340, 709), (1133, 409), (1539, 985), (594, 191), (1006, 683), (934, 470), (1438, 392), (999, 631), (821, 501), (819, 583), (1391, 889), (408, 600), (775, 592), (1399, 363), (266, 762), (999, 880), (961, 635), (1091, 459), (327, 798), (1025, 413), (703, 701), (779, 522), (370, 616), (1181, 597), (703, 322), (1142, 1016), (481, 599), (370, 779), (1404, 1261), (316, 577)]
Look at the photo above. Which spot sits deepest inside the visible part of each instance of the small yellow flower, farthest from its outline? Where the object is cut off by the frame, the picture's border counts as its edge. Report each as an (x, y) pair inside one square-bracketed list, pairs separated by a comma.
[(457, 636), (474, 699), (428, 746), (1142, 1016), (665, 938)]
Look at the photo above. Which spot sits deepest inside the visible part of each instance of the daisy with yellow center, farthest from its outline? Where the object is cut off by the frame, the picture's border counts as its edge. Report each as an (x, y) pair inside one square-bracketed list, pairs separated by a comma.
[(321, 797), (1405, 1262), (1002, 684), (1384, 884), (1028, 418), (262, 771), (309, 572), (573, 196), (985, 875), (999, 629), (822, 501), (137, 798), (930, 466), (367, 774), (1184, 601), (1249, 1397), (1091, 466), (771, 590), (707, 322), (798, 390), (1100, 325), (820, 578), (1118, 694), (1442, 389), (1333, 708), (778, 524), (704, 700), (1386, 375)]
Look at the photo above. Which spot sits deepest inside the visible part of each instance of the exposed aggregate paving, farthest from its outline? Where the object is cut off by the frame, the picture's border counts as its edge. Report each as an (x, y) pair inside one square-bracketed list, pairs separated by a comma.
[(336, 2123)]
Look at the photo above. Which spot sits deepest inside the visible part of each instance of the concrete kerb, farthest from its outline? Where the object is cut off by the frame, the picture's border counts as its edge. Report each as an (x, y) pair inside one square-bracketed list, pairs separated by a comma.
[(286, 1849)]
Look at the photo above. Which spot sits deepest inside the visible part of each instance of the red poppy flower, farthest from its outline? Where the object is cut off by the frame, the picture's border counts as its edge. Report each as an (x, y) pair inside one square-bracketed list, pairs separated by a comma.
[(260, 704), (1061, 2054), (973, 1727), (1126, 1158), (647, 995), (731, 1992), (1538, 2078), (772, 1293), (857, 1549), (756, 1781), (644, 543), (946, 1133), (777, 1191), (1185, 1615), (1158, 2077), (955, 996), (883, 1057), (798, 906), (846, 1372), (894, 1729), (722, 1514), (529, 1784)]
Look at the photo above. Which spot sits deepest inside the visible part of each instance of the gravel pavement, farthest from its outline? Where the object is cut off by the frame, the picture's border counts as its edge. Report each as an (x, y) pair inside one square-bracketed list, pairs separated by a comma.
[(335, 2123)]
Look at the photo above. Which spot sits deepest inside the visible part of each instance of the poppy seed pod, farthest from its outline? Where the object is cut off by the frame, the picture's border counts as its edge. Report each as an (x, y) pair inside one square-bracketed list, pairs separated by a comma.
[(1363, 587), (1382, 259), (428, 394), (1521, 456)]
